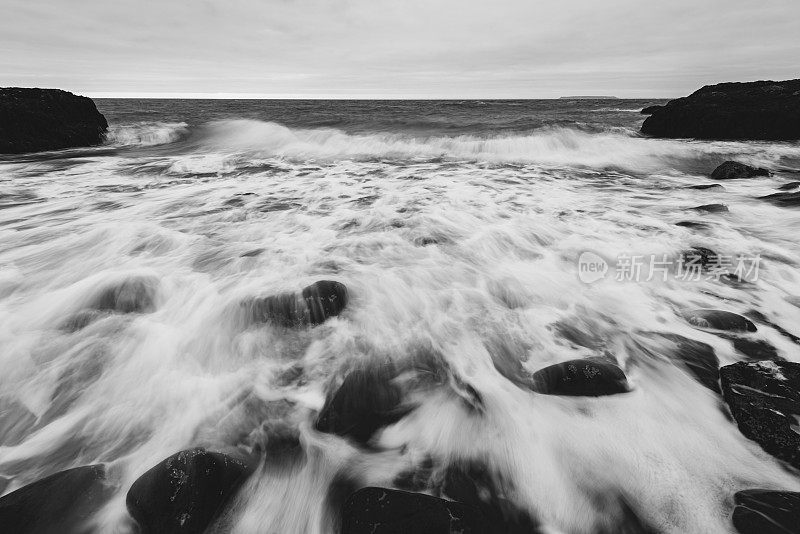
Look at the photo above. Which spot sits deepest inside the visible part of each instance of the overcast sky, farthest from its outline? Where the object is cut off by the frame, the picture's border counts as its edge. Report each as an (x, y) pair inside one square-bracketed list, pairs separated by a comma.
[(405, 48)]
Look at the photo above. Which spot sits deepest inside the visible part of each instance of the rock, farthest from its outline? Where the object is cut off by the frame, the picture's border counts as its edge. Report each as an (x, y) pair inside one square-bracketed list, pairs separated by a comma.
[(186, 492), (649, 110), (366, 401), (764, 398), (706, 186), (697, 225), (711, 208), (385, 511), (57, 504), (588, 378), (699, 358), (32, 120), (15, 422), (784, 200), (763, 110), (756, 349), (136, 294), (719, 320), (789, 186), (704, 257), (760, 511), (417, 478), (474, 484), (314, 305), (731, 170)]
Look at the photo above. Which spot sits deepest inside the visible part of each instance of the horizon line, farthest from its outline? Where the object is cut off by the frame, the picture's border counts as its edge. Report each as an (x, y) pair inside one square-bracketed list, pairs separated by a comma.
[(300, 96)]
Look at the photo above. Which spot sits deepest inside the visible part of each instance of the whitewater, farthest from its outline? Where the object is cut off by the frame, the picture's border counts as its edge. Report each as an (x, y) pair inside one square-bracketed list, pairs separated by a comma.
[(457, 229)]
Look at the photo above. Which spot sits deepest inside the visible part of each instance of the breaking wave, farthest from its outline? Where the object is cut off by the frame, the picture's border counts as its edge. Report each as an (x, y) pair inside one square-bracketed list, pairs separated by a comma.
[(146, 133)]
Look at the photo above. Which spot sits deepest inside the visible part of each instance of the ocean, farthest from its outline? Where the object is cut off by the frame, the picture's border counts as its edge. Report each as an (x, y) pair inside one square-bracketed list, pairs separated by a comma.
[(483, 235)]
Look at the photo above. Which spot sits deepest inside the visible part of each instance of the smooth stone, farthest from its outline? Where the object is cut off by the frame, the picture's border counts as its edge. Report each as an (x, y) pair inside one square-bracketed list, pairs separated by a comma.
[(764, 398), (588, 378), (731, 170), (703, 187), (366, 401), (186, 492), (313, 306), (385, 511), (756, 349), (47, 119), (766, 110), (697, 225), (700, 256), (58, 504), (789, 186), (711, 208), (760, 511), (719, 320), (784, 200)]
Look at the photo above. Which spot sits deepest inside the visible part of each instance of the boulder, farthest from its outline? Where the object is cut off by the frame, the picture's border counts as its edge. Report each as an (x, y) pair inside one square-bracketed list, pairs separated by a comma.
[(384, 511), (789, 187), (731, 170), (696, 225), (60, 503), (366, 401), (703, 187), (32, 120), (708, 319), (711, 208), (314, 305), (764, 110), (784, 200), (764, 398), (704, 257), (136, 294), (589, 378), (761, 511), (697, 357), (186, 492)]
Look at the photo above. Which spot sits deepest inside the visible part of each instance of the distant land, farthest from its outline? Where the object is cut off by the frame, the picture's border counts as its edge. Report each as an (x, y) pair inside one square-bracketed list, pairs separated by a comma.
[(589, 98)]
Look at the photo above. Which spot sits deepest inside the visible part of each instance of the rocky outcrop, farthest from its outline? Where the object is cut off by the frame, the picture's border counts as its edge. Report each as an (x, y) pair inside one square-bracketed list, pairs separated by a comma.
[(33, 120), (730, 170), (590, 378), (764, 398), (766, 512), (186, 492), (60, 503), (763, 110)]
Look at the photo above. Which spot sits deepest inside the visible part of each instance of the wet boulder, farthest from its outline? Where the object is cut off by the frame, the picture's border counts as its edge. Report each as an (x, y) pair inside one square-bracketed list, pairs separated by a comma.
[(588, 378), (384, 511), (789, 187), (312, 306), (764, 398), (711, 208), (783, 200), (698, 358), (701, 256), (695, 225), (136, 294), (760, 511), (32, 120), (765, 110), (703, 187), (63, 502), (186, 492), (709, 319), (367, 400), (731, 170)]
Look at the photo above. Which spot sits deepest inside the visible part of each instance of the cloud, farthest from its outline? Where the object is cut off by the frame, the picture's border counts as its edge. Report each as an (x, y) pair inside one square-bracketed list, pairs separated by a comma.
[(435, 48)]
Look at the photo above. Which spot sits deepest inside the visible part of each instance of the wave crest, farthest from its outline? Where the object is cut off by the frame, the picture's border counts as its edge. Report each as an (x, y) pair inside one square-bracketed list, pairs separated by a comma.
[(146, 133)]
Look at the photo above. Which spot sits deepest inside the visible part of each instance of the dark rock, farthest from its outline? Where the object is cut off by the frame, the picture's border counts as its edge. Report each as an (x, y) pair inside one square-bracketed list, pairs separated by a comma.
[(315, 303), (706, 186), (472, 483), (711, 208), (649, 110), (699, 358), (60, 503), (764, 398), (186, 492), (731, 170), (760, 511), (764, 110), (697, 225), (789, 186), (784, 200), (704, 257), (719, 320), (385, 511), (32, 120), (589, 378), (134, 295), (756, 349), (366, 401)]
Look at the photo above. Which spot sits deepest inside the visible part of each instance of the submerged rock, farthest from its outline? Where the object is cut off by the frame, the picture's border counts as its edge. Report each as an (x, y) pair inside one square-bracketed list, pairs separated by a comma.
[(314, 305), (764, 110), (136, 294), (731, 170), (704, 257), (789, 186), (60, 503), (711, 208), (764, 398), (47, 119), (186, 492), (590, 378), (697, 225), (699, 358), (366, 401), (784, 200), (719, 320), (703, 187), (385, 511), (766, 512)]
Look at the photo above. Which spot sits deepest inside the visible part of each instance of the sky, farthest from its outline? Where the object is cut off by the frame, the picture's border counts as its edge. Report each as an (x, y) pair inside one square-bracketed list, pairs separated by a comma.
[(395, 48)]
